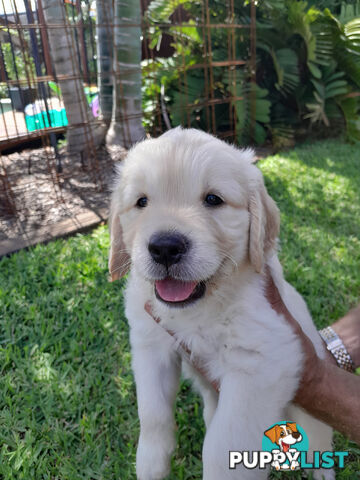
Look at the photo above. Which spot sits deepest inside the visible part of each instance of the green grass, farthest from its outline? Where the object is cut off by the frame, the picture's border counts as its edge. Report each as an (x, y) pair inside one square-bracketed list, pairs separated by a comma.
[(67, 396)]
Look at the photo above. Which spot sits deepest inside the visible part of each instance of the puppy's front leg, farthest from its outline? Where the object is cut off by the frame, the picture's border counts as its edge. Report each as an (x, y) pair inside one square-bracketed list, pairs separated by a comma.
[(157, 372), (245, 410)]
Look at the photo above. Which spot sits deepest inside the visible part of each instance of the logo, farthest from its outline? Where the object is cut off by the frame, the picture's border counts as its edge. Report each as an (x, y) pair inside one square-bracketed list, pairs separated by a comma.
[(285, 440), (285, 447)]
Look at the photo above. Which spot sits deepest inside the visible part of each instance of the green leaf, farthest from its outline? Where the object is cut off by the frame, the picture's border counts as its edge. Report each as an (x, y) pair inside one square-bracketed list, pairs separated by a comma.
[(260, 134), (287, 61), (187, 30), (319, 86), (339, 87), (351, 110), (314, 69), (160, 11), (262, 110)]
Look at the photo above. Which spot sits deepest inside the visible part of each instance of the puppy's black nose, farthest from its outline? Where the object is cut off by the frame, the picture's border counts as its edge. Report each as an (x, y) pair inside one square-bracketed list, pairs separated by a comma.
[(295, 434), (167, 248)]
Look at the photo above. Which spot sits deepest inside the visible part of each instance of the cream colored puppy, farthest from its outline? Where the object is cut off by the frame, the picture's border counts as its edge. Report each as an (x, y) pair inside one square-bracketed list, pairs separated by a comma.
[(191, 219)]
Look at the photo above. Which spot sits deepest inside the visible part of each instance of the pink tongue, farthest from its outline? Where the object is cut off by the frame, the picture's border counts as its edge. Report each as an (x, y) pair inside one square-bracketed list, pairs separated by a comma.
[(285, 447), (172, 290)]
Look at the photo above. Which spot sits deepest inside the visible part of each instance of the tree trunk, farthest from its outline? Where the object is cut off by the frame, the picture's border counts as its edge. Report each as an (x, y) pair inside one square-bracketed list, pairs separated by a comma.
[(83, 132), (104, 46), (126, 122)]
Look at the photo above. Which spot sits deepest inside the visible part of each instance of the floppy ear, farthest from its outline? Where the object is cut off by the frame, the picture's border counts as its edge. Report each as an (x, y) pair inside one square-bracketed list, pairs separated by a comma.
[(264, 224), (292, 426), (119, 260), (272, 433)]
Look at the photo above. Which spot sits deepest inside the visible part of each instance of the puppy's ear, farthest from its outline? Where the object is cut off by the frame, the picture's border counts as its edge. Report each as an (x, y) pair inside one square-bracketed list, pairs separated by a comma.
[(264, 224), (272, 433), (292, 426), (119, 260)]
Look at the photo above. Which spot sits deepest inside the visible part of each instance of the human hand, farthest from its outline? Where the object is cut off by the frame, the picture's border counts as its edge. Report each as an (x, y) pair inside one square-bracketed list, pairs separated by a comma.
[(326, 391)]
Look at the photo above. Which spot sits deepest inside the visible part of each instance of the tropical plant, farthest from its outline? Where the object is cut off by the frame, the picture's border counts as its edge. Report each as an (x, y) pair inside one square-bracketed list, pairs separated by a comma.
[(283, 62), (310, 69), (330, 86), (307, 77), (18, 63), (187, 88), (4, 90)]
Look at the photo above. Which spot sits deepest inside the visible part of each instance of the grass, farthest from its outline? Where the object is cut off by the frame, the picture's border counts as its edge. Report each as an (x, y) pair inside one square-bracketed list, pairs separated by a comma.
[(67, 397)]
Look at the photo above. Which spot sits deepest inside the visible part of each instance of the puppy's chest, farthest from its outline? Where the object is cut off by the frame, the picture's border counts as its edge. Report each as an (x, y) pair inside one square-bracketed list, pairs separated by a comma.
[(221, 345), (208, 341)]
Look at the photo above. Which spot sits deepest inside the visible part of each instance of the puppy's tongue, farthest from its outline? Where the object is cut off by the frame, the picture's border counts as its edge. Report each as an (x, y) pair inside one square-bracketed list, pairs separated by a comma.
[(172, 290), (285, 447)]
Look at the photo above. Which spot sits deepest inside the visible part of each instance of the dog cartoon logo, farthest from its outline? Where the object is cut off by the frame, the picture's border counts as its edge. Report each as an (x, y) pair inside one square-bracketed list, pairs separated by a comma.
[(285, 436)]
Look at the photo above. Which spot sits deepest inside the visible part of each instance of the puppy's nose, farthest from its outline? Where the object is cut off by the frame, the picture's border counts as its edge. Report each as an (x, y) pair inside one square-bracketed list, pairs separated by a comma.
[(295, 434), (167, 248)]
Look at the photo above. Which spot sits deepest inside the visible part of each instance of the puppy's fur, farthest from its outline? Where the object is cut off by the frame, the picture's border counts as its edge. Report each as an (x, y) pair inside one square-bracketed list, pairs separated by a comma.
[(232, 330)]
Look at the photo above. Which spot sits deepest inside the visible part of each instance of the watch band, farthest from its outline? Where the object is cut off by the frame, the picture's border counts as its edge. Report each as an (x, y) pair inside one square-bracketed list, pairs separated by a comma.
[(335, 345)]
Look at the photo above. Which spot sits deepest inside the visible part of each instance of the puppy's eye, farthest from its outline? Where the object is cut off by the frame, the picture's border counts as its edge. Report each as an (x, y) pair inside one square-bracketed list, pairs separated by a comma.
[(213, 200), (282, 434), (142, 202)]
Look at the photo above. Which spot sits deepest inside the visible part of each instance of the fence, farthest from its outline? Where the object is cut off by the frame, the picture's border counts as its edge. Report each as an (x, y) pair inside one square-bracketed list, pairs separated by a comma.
[(198, 65)]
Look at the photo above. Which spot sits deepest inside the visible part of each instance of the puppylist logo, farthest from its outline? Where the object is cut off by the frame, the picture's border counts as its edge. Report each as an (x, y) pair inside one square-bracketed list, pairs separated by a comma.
[(284, 447), (289, 443)]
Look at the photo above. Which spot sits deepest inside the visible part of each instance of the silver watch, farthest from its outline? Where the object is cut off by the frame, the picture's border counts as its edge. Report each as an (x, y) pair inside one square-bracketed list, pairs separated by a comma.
[(335, 345)]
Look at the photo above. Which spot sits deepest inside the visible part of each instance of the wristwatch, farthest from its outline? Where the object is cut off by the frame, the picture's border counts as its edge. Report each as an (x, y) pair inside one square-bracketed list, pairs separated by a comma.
[(335, 345)]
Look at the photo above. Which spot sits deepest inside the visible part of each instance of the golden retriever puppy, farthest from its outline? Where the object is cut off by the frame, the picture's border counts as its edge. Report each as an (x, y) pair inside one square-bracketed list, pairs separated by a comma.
[(193, 224)]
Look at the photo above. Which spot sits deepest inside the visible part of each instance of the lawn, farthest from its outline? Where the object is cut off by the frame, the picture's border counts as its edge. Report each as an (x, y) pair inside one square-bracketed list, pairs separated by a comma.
[(67, 396)]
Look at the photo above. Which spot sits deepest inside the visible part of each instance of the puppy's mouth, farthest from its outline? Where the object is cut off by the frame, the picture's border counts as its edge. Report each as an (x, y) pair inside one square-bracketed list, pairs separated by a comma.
[(177, 293), (285, 446)]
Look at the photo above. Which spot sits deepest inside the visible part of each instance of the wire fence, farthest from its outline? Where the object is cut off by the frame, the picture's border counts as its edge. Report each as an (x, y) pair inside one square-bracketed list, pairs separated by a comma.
[(195, 56)]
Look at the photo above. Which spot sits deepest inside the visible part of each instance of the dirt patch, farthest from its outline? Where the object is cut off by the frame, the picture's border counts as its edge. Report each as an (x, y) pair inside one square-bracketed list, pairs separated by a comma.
[(38, 189)]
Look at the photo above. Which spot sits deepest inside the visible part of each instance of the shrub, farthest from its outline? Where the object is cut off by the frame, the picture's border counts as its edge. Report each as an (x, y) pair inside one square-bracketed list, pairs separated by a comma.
[(307, 69)]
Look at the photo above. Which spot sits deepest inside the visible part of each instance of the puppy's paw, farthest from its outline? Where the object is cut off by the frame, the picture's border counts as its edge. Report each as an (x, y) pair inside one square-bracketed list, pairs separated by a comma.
[(153, 459)]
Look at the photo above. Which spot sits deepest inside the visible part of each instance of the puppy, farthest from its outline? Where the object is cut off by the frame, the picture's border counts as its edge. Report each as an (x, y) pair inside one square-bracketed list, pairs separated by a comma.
[(193, 224)]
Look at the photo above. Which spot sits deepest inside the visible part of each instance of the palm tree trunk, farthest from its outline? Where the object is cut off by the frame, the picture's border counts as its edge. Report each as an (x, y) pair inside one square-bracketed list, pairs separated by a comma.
[(104, 33), (83, 131), (126, 122)]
